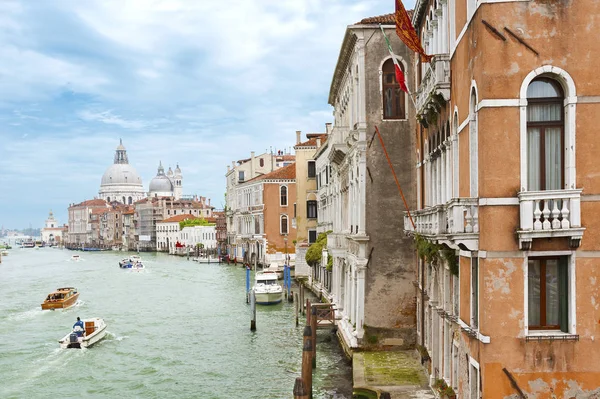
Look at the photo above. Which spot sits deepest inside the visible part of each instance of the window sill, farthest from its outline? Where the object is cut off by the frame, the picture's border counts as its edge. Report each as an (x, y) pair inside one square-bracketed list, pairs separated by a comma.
[(395, 120), (550, 335)]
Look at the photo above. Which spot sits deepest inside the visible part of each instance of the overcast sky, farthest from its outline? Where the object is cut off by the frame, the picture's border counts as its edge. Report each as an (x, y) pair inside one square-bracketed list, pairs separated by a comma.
[(194, 82)]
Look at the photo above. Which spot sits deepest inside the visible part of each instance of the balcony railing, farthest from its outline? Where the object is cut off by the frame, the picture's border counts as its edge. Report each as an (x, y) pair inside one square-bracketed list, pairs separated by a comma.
[(436, 80), (336, 241), (456, 221), (547, 214)]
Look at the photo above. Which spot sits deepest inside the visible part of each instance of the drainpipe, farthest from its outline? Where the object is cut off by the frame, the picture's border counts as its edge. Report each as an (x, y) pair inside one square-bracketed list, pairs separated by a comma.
[(422, 302)]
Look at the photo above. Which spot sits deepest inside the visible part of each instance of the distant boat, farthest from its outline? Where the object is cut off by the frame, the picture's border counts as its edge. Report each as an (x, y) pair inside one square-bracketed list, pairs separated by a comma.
[(4, 252), (62, 298), (95, 330), (206, 259), (75, 258), (28, 244)]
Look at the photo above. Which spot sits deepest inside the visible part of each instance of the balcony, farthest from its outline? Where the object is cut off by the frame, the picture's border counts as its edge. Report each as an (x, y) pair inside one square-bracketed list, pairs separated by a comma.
[(337, 241), (455, 223), (436, 82), (549, 214)]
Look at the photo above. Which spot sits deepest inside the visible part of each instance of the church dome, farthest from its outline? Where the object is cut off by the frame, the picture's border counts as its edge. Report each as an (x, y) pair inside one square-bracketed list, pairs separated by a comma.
[(122, 174), (161, 184), (121, 181)]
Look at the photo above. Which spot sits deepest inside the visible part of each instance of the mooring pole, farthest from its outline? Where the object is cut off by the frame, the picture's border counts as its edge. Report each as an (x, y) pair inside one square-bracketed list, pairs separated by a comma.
[(296, 306), (300, 391), (247, 285), (307, 359), (313, 326), (253, 310)]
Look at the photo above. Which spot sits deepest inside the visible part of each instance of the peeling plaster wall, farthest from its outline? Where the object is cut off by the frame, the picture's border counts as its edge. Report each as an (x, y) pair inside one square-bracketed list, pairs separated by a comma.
[(564, 32)]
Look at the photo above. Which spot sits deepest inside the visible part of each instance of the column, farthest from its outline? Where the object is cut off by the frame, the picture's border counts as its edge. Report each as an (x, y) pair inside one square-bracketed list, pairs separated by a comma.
[(360, 297)]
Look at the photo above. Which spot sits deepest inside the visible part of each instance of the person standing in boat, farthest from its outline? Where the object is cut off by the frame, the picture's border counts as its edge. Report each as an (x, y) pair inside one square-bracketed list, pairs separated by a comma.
[(78, 327)]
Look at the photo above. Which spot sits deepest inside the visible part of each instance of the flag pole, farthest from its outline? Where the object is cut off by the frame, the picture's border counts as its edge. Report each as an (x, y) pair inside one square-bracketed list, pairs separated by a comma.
[(389, 46), (395, 177)]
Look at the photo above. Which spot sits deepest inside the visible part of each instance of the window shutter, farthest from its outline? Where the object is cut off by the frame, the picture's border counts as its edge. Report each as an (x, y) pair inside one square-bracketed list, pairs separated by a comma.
[(563, 293)]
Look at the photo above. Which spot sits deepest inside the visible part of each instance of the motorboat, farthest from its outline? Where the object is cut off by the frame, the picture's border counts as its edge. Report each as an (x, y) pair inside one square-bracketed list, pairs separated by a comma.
[(275, 268), (4, 252), (94, 331), (137, 266), (62, 298), (75, 258), (206, 259), (127, 263), (267, 289)]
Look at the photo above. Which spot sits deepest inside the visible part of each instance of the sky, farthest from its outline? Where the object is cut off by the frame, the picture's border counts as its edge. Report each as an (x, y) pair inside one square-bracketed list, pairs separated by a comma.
[(191, 82)]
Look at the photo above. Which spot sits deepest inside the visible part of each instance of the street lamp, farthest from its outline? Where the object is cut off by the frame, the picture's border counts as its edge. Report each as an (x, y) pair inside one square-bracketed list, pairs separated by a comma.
[(286, 253)]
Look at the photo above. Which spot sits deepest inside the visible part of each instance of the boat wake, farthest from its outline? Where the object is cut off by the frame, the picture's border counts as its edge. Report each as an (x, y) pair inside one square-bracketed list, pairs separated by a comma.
[(114, 337), (27, 315)]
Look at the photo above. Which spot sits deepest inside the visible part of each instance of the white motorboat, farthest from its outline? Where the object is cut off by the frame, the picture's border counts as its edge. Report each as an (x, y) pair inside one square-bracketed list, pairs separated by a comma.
[(275, 268), (266, 288), (4, 252), (75, 258), (135, 258), (94, 331), (206, 259), (137, 266), (128, 263)]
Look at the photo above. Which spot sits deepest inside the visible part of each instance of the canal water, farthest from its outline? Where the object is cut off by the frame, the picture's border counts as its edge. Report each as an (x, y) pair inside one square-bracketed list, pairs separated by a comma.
[(177, 329)]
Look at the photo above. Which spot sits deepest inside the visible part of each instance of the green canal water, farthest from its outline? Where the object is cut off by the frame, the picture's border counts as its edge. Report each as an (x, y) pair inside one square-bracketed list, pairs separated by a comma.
[(177, 329)]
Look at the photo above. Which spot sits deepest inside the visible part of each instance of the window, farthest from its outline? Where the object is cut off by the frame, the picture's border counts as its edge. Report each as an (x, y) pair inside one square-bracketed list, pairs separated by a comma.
[(311, 169), (393, 96), (241, 175), (312, 236), (261, 162), (475, 292), (283, 196), (294, 209), (545, 138), (474, 386), (311, 209), (284, 224), (547, 294)]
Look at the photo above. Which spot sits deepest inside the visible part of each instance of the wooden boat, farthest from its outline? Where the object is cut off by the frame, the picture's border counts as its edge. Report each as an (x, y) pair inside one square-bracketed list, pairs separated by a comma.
[(95, 330), (62, 298)]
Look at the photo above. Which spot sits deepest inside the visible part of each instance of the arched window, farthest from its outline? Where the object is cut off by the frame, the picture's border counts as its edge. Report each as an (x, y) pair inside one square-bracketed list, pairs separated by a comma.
[(284, 224), (283, 196), (107, 199), (393, 96), (130, 201), (474, 149), (261, 162), (124, 200), (545, 135)]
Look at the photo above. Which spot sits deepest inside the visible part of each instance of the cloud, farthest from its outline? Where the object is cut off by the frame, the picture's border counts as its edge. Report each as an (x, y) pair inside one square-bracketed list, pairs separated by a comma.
[(196, 83)]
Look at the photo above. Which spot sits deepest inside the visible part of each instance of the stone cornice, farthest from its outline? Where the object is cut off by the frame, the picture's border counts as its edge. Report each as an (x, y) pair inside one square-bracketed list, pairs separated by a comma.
[(346, 51)]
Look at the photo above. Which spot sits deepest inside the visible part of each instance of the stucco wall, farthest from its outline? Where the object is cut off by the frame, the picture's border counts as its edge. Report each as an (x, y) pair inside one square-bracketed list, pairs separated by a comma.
[(272, 212), (390, 295)]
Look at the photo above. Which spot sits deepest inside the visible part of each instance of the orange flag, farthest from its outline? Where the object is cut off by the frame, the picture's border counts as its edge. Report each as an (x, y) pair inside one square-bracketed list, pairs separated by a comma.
[(407, 33)]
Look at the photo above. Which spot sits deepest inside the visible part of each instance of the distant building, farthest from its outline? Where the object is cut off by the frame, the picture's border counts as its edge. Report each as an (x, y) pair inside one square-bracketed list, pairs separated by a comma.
[(120, 181), (166, 185), (80, 227), (53, 233)]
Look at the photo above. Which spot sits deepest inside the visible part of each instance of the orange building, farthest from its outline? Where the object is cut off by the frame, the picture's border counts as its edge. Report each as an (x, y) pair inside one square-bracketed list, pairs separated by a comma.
[(509, 192), (263, 221)]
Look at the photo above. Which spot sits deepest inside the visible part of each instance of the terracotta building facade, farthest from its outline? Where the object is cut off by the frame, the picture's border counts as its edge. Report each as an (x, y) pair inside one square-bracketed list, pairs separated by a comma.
[(508, 192)]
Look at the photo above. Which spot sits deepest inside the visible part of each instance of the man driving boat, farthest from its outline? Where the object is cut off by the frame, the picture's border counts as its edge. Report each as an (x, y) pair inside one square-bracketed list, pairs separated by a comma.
[(78, 327)]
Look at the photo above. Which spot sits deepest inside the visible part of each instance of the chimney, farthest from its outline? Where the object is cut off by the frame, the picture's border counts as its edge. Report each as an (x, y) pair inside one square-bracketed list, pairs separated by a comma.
[(209, 199), (251, 164), (233, 164), (298, 136), (318, 142), (228, 168), (328, 128)]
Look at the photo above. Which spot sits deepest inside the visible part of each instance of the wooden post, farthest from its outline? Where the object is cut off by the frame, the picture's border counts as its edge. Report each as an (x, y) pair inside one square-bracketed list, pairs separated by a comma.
[(296, 306), (308, 312), (313, 326), (306, 360), (301, 298), (300, 391), (253, 310)]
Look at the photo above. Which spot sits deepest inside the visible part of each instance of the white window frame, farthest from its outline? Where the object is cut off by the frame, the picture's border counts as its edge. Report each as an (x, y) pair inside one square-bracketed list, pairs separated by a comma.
[(287, 195), (473, 142), (570, 104), (287, 221), (572, 306)]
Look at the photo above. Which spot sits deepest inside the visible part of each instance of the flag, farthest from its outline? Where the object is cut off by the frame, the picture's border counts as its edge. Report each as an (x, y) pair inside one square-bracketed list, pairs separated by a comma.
[(406, 32), (399, 74)]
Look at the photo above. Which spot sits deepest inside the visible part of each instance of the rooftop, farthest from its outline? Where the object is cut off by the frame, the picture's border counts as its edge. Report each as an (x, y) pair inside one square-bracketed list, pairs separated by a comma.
[(386, 19), (312, 141), (286, 173), (178, 218)]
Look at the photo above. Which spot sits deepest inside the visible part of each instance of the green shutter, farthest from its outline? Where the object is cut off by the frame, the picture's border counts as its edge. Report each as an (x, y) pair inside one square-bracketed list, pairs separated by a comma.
[(563, 292)]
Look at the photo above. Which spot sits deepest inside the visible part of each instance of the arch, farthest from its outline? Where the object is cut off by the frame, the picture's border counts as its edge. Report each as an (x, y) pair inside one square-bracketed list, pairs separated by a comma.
[(107, 199), (569, 112), (283, 225), (130, 200), (283, 195), (393, 99)]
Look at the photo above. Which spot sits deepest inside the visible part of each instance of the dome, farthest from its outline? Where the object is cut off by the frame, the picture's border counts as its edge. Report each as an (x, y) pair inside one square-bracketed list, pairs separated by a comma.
[(122, 174), (161, 184)]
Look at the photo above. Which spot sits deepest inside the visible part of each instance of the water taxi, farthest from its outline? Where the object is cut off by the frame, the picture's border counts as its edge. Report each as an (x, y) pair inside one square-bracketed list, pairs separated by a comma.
[(75, 258), (62, 298), (94, 331), (266, 288)]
